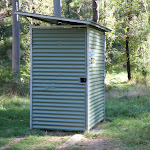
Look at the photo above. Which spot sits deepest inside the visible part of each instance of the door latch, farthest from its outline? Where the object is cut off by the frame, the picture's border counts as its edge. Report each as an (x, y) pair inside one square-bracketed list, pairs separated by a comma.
[(82, 80)]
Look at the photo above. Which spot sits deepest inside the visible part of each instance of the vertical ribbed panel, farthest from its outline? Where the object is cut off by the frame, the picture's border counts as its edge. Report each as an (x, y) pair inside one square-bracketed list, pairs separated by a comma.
[(58, 97), (96, 78)]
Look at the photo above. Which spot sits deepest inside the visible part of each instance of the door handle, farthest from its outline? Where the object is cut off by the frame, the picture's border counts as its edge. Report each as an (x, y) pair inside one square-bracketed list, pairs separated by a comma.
[(83, 80)]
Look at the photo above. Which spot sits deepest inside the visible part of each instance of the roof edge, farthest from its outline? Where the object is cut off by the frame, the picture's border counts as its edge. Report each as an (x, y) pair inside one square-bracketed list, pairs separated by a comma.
[(65, 20)]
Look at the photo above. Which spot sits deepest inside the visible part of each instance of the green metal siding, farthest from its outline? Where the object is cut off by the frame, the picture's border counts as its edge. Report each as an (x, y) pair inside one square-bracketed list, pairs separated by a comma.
[(96, 78), (58, 62)]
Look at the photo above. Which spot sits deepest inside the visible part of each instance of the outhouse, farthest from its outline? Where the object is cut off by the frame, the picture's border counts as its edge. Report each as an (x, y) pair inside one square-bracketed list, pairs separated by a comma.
[(67, 74)]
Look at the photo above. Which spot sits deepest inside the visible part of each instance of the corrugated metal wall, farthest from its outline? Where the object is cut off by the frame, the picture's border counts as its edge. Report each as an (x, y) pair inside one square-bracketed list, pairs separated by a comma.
[(96, 78), (58, 62)]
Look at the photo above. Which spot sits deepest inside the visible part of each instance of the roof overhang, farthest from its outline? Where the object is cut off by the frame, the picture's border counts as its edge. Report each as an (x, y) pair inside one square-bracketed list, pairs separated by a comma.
[(57, 20)]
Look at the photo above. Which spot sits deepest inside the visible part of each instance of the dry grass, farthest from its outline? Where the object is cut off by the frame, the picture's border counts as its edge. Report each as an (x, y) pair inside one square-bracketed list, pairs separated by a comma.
[(117, 86), (136, 90)]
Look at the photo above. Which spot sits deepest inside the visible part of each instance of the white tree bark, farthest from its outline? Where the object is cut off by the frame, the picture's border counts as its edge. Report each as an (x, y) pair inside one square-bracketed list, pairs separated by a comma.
[(57, 8), (16, 39), (6, 3)]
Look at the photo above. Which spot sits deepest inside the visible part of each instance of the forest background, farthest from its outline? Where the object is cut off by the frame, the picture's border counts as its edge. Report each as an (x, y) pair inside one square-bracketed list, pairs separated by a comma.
[(127, 48)]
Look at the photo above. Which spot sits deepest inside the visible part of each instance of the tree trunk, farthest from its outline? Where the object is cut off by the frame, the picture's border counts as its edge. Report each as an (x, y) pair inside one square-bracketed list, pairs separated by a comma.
[(127, 44), (68, 9), (95, 11), (104, 12), (128, 58), (57, 8), (16, 39), (6, 3)]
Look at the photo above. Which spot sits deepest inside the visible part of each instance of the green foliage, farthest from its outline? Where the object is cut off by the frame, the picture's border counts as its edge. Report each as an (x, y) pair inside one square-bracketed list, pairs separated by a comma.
[(5, 35), (37, 6), (77, 9), (130, 18), (10, 85)]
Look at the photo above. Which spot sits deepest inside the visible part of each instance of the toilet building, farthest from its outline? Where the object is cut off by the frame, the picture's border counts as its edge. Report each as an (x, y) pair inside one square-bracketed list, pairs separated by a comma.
[(67, 89)]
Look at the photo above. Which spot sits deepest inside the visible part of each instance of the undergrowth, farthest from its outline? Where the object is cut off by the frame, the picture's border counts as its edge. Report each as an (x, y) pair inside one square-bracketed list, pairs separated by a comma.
[(11, 84), (129, 121)]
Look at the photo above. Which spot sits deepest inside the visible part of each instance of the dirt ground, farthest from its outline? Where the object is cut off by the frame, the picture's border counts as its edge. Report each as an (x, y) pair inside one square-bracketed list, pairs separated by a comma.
[(93, 144), (83, 143)]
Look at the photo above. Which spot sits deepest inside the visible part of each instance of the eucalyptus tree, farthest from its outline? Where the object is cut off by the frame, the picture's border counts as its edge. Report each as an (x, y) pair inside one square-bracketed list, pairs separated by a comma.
[(57, 8), (130, 27), (95, 11), (16, 39), (77, 9)]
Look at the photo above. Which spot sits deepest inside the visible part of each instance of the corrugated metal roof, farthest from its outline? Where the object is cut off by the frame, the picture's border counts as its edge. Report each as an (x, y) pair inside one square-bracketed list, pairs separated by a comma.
[(55, 20)]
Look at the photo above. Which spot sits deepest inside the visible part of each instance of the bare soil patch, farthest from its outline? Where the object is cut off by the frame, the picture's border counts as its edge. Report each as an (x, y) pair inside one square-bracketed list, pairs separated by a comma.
[(73, 140), (12, 143), (79, 142), (93, 144)]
